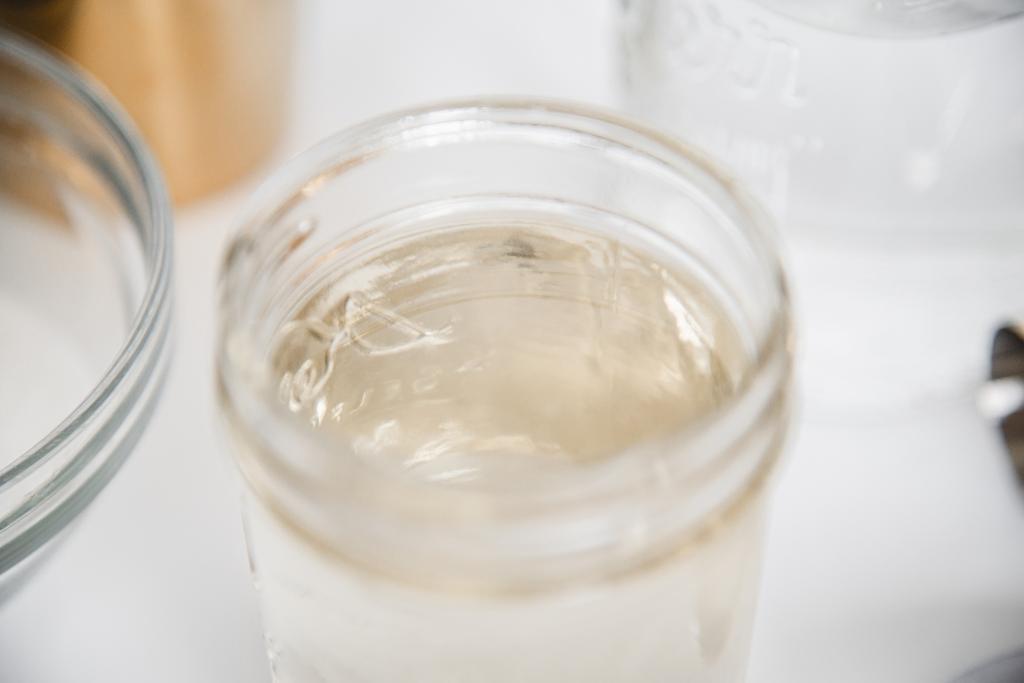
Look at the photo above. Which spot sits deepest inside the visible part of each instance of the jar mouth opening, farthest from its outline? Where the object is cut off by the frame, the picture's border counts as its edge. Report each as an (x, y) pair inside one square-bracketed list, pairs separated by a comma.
[(120, 400), (761, 390)]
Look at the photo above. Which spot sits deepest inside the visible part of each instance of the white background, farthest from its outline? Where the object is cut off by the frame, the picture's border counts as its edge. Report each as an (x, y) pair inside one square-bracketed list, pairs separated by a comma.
[(896, 550)]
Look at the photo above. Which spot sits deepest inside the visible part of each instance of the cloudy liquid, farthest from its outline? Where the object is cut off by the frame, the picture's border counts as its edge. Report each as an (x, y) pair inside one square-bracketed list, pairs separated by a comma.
[(492, 358)]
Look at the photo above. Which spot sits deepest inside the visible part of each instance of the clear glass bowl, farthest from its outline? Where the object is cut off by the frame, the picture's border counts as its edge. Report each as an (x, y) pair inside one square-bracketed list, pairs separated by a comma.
[(85, 297)]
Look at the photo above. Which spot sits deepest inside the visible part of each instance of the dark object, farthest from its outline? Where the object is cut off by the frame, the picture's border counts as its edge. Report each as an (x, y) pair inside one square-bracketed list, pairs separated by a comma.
[(1008, 364), (1006, 669)]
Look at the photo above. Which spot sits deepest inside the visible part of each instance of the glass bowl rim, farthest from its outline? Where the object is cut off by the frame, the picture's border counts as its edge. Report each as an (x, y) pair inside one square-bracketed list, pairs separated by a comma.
[(108, 405)]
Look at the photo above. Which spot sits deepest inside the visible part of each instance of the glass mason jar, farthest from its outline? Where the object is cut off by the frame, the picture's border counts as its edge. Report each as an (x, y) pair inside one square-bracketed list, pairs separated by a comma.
[(888, 136), (506, 381)]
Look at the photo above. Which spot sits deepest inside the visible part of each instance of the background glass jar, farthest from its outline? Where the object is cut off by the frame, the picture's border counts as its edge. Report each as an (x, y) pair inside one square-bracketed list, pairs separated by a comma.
[(888, 137), (506, 380)]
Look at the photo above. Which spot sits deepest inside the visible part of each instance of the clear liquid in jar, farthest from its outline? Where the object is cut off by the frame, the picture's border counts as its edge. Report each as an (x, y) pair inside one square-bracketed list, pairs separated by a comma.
[(491, 358), (479, 354)]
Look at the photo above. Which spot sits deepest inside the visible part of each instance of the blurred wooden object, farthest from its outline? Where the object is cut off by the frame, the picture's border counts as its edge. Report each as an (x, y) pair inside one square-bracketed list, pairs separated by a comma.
[(206, 81)]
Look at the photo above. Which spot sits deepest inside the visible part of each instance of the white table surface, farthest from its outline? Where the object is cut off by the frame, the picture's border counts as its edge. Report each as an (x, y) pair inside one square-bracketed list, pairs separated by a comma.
[(896, 551)]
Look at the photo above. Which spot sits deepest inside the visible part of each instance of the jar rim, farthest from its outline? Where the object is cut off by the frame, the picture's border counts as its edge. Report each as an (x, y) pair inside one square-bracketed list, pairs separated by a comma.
[(764, 387)]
